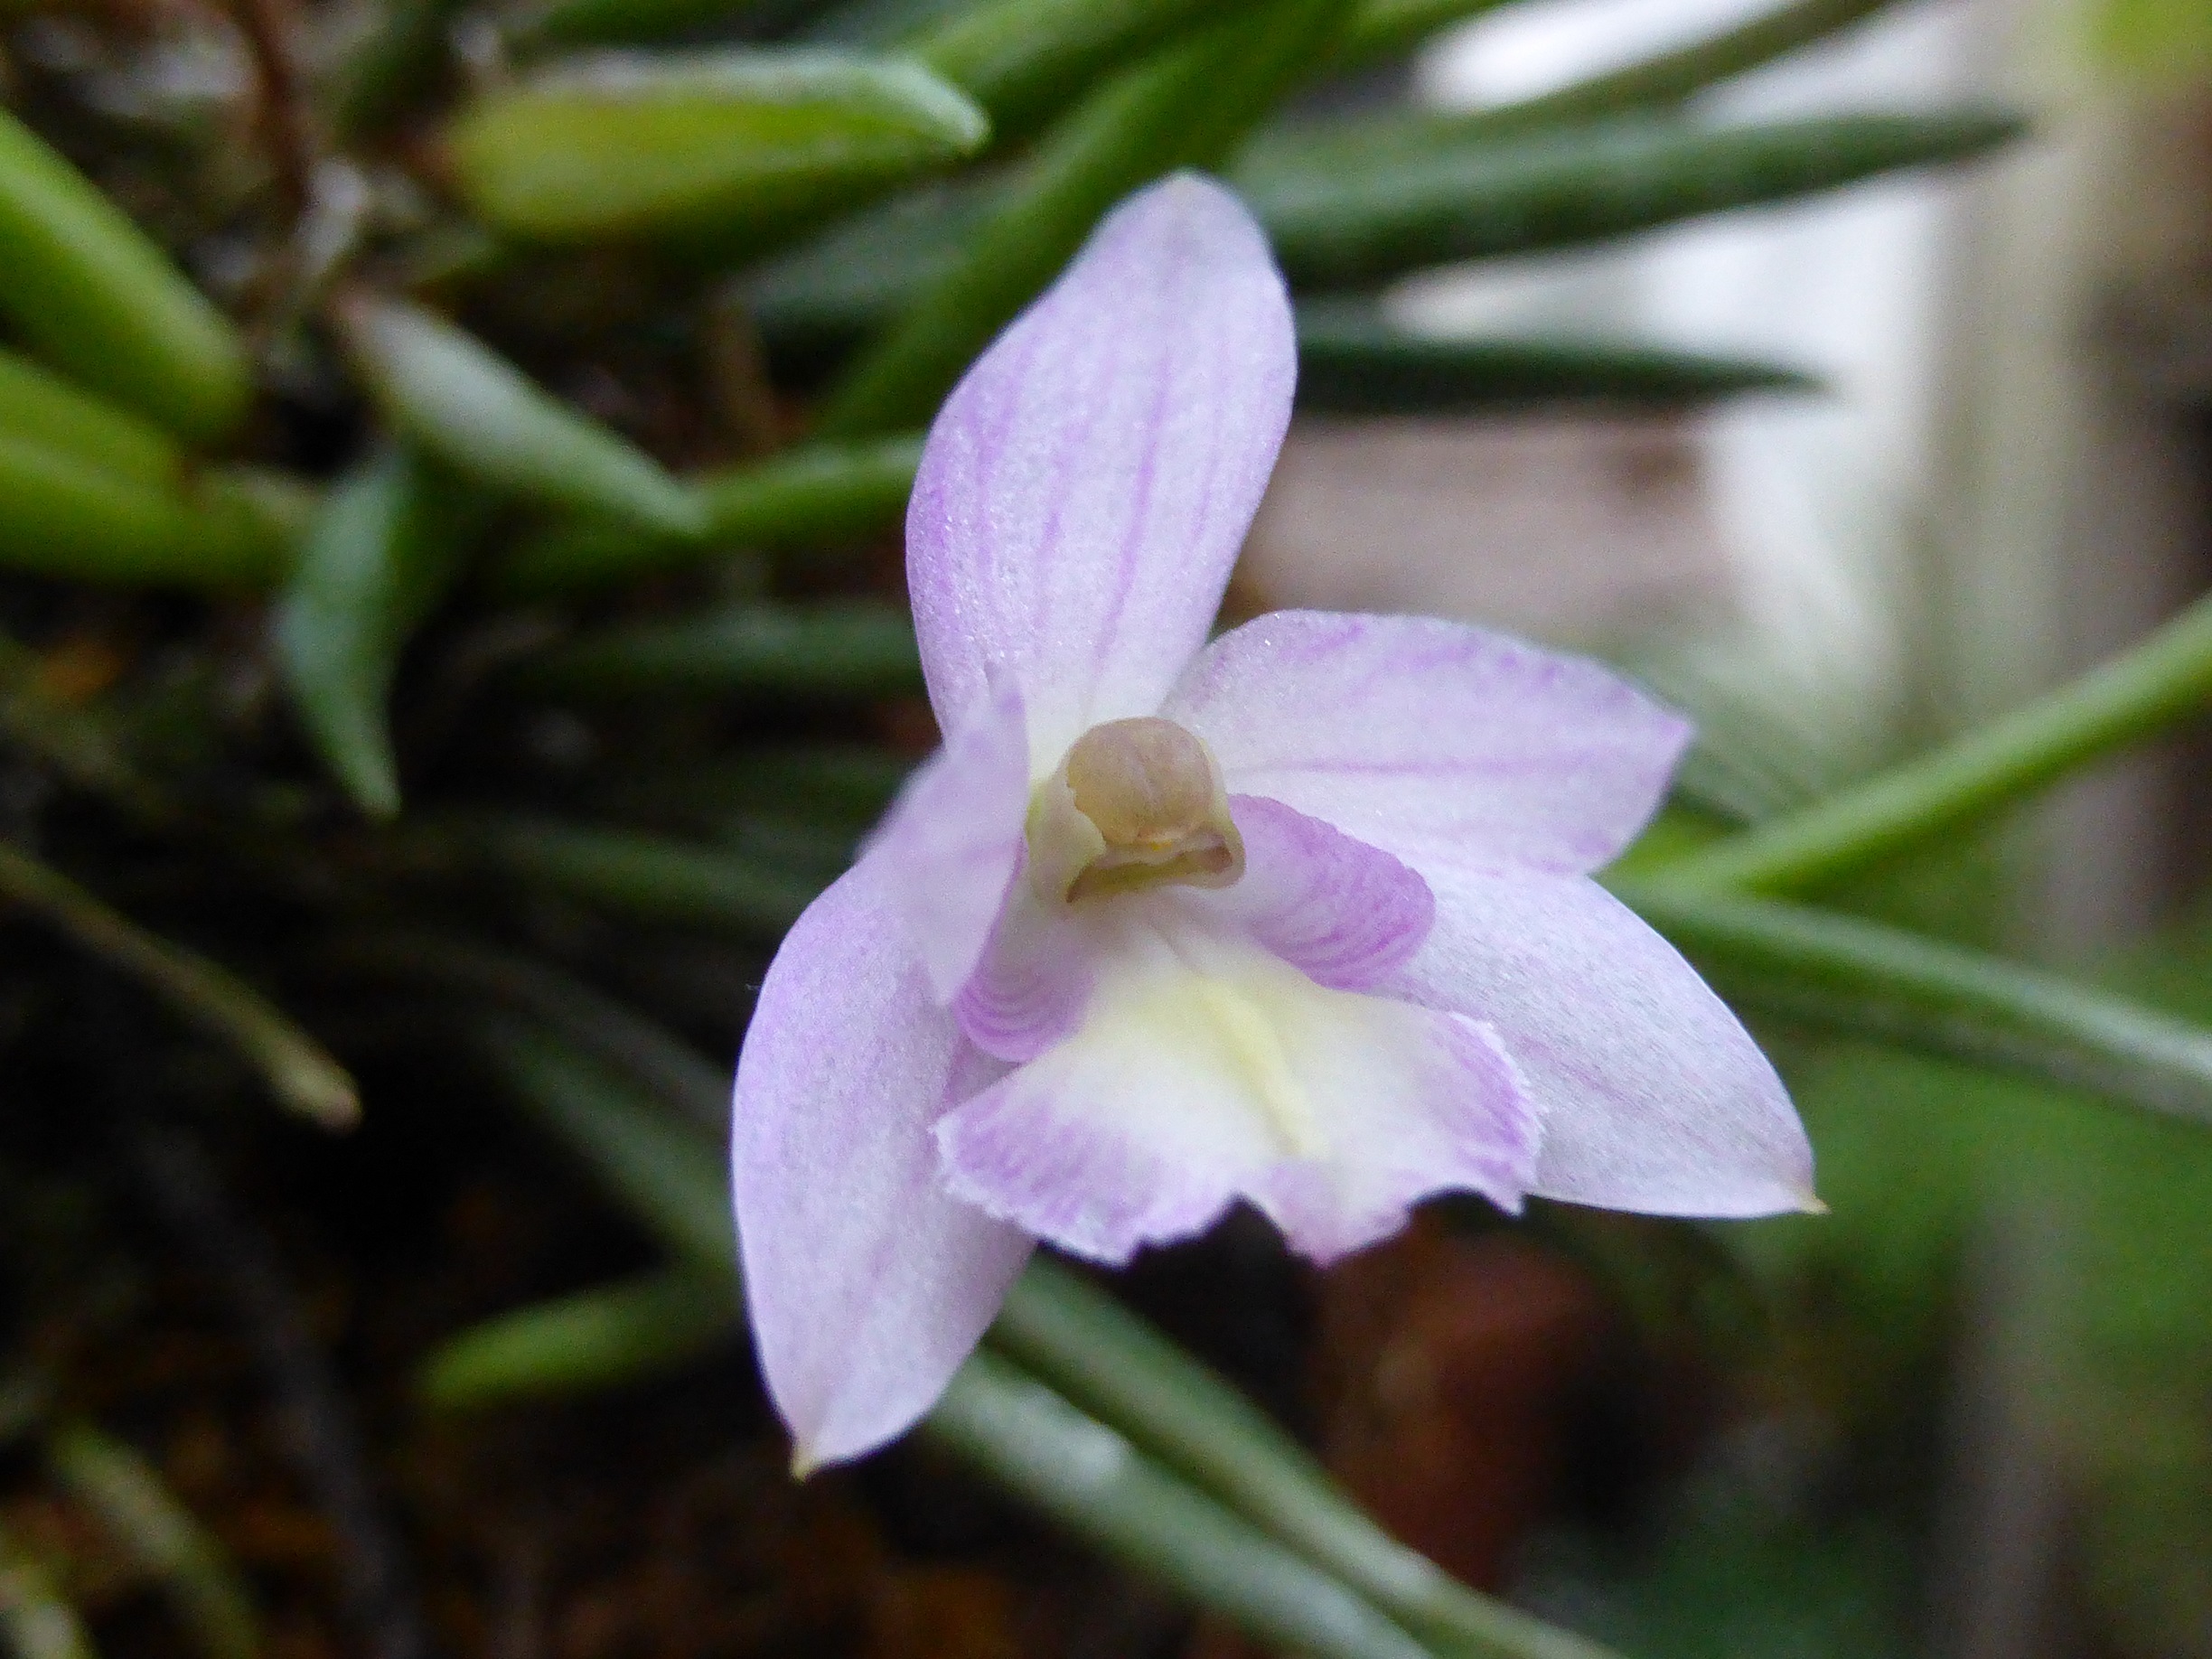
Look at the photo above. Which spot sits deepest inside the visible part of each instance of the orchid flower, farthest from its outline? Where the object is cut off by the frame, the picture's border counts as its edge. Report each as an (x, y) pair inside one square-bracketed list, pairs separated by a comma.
[(1302, 917)]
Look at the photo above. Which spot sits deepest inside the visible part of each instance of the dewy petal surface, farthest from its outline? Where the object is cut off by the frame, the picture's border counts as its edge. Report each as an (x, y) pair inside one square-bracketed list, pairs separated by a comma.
[(866, 1283), (1654, 1097), (952, 841), (1206, 1070), (1085, 488), (1438, 742)]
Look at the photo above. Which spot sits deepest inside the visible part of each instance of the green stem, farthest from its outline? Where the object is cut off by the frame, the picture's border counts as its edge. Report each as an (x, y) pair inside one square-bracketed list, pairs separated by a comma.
[(1860, 978), (299, 1069), (1105, 1491), (2166, 677)]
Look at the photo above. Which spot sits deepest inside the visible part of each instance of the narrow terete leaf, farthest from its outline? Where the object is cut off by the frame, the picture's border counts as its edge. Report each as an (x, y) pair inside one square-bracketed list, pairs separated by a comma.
[(743, 143), (1384, 28), (64, 515), (650, 877), (833, 647), (467, 406), (1353, 360), (163, 1537), (385, 549), (36, 1620), (1022, 60), (92, 293), (1345, 210), (818, 496), (598, 1338), (2161, 681), (1840, 974), (299, 1071), (41, 407), (1186, 106), (1115, 1366), (1094, 1483)]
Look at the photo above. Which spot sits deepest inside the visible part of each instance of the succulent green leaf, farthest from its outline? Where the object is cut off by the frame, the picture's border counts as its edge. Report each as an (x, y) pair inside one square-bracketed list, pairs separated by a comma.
[(835, 648), (1348, 205), (747, 143), (91, 291), (1353, 360), (598, 1338), (161, 1535), (43, 408), (1838, 973), (37, 1621), (1185, 106), (1021, 60), (2162, 679), (817, 496), (1108, 1493), (1382, 28), (63, 514), (386, 544), (469, 407), (651, 878), (299, 1069)]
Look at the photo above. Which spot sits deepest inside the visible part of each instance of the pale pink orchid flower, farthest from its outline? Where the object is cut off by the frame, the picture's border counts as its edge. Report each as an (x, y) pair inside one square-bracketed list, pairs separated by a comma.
[(1302, 917)]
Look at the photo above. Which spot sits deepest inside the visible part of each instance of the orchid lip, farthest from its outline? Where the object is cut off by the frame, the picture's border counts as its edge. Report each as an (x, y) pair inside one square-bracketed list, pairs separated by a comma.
[(1136, 803)]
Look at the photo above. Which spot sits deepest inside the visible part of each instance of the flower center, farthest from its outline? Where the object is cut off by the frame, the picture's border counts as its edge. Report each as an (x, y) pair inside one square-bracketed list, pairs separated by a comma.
[(1137, 803)]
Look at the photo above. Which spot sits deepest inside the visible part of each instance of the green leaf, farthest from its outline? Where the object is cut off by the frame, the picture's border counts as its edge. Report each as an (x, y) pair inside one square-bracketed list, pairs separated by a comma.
[(596, 1339), (42, 408), (1837, 973), (2162, 679), (397, 62), (663, 1170), (748, 142), (1348, 205), (834, 648), (299, 1069), (1353, 360), (62, 514), (811, 497), (1113, 1365), (1022, 59), (1666, 78), (386, 547), (1185, 106), (1383, 28), (480, 415), (1108, 1494), (161, 1535), (89, 290), (646, 876), (36, 1620)]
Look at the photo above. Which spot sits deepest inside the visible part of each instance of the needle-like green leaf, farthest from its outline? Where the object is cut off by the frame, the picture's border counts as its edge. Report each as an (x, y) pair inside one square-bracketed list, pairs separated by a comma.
[(833, 647)]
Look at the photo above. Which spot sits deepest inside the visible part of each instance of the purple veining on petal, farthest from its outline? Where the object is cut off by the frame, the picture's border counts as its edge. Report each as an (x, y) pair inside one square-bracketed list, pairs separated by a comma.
[(1086, 487), (866, 1283), (1200, 1077), (1033, 982), (1655, 1097), (952, 841), (1343, 913), (1432, 740)]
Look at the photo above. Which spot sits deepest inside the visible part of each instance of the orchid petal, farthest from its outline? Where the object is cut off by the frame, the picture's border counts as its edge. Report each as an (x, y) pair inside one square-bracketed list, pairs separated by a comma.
[(867, 1284), (951, 842), (1341, 912), (1204, 1070), (1086, 487), (1434, 741), (1653, 1096), (1336, 909)]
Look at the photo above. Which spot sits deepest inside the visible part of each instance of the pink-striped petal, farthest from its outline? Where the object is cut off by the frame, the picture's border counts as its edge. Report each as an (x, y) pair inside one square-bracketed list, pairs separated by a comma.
[(1086, 486), (866, 1283), (1653, 1096), (1440, 743), (1207, 1071), (1338, 910), (951, 843)]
